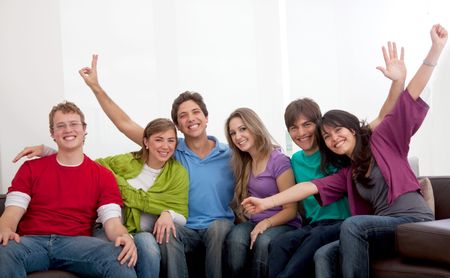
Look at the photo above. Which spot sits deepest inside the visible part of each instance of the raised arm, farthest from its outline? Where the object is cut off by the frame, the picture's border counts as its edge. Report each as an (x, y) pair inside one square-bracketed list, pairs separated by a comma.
[(395, 70), (119, 118), (438, 40)]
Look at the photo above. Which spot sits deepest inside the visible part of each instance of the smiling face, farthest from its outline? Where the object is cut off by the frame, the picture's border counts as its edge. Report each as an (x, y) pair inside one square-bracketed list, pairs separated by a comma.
[(161, 147), (303, 132), (339, 140), (190, 120), (240, 135), (68, 131)]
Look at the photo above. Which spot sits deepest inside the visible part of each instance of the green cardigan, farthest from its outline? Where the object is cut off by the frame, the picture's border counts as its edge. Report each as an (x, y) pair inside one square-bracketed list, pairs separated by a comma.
[(169, 191)]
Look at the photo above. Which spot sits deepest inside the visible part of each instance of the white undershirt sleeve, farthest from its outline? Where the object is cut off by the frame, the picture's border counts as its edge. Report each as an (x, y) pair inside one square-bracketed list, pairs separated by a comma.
[(17, 198), (177, 218), (108, 211)]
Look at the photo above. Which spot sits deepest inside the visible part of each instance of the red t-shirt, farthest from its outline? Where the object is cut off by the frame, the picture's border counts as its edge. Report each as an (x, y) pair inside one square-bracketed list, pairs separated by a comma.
[(64, 200)]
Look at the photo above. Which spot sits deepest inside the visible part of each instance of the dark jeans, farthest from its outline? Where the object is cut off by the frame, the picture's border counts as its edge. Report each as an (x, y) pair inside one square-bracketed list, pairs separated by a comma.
[(292, 254)]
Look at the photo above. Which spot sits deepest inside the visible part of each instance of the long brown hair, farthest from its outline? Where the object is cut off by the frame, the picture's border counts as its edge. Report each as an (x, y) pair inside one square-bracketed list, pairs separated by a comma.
[(241, 162)]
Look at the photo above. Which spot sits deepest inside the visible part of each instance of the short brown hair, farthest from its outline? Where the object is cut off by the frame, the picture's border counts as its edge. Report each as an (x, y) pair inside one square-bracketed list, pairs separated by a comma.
[(183, 97), (306, 106), (65, 107)]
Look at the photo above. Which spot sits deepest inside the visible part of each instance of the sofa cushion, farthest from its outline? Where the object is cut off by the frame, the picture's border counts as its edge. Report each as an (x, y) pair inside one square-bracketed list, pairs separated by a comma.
[(401, 268), (425, 240), (427, 192)]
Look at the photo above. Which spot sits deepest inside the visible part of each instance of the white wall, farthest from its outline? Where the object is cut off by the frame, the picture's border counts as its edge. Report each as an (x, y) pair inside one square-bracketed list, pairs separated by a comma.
[(31, 76), (255, 53)]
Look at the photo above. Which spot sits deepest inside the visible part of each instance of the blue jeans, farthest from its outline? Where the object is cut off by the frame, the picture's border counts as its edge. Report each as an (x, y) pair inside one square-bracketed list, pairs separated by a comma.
[(149, 255), (173, 258), (358, 233), (292, 254), (238, 252), (326, 261), (81, 255)]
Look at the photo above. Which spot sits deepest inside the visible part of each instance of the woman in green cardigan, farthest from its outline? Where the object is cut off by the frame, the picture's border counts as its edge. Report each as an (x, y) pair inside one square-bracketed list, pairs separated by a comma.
[(154, 188)]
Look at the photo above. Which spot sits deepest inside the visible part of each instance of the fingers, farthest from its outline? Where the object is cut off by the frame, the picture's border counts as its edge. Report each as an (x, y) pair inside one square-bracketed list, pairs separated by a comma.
[(94, 62), (402, 53), (383, 70), (23, 153), (394, 51), (385, 54), (128, 253)]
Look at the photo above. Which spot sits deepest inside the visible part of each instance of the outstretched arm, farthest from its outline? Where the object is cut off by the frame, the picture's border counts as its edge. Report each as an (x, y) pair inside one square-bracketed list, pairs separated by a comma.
[(438, 40), (119, 118), (295, 193), (395, 70)]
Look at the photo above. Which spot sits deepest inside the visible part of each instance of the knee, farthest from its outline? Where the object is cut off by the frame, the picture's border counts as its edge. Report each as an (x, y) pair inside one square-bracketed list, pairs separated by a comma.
[(219, 228), (351, 227), (326, 253), (146, 244), (238, 235)]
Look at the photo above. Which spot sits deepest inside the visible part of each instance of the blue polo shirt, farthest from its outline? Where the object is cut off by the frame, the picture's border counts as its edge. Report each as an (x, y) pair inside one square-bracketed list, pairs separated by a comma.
[(211, 184)]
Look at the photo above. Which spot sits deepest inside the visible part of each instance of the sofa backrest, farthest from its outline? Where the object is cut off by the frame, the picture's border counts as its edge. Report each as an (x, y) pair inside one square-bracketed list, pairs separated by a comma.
[(441, 192), (2, 203)]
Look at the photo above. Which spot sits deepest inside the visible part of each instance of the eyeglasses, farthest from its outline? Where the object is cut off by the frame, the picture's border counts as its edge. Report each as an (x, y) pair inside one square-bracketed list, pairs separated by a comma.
[(72, 125)]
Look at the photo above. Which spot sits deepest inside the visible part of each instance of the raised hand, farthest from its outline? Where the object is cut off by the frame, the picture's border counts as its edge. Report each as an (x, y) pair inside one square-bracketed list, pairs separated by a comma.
[(438, 36), (89, 74), (395, 68)]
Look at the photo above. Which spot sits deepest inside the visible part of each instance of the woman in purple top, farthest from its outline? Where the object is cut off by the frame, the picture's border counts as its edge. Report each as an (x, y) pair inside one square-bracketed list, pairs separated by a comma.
[(261, 170), (381, 187)]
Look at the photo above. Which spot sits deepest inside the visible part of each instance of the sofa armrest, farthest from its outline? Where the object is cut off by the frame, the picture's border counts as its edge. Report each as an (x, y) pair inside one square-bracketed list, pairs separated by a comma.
[(425, 240)]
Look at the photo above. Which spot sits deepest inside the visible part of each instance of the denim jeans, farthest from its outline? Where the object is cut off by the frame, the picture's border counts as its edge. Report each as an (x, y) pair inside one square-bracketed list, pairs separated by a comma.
[(81, 255), (149, 255), (326, 261), (361, 237), (292, 254), (238, 253), (173, 258)]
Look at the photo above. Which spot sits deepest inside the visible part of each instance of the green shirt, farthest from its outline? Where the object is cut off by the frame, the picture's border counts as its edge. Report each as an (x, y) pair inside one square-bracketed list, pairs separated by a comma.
[(307, 168)]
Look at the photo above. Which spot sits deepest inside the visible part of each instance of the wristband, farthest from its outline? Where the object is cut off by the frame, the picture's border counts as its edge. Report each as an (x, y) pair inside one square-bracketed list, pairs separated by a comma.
[(130, 235), (426, 63), (270, 222)]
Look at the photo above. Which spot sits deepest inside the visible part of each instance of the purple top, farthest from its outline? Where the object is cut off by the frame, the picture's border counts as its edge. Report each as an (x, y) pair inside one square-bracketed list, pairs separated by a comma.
[(265, 185), (390, 145)]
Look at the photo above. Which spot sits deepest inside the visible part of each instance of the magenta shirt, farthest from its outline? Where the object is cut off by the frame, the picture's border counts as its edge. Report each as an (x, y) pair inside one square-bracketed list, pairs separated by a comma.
[(265, 185), (390, 145)]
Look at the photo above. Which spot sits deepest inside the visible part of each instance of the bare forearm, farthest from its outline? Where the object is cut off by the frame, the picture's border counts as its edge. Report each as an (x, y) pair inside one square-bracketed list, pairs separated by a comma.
[(423, 74), (293, 194), (114, 228), (284, 216)]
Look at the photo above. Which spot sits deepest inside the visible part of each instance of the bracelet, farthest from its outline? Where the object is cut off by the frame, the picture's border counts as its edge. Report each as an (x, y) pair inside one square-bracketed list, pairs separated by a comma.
[(270, 222), (426, 63), (130, 235)]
